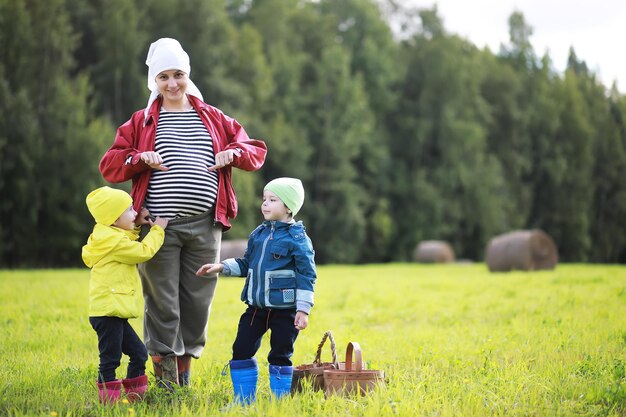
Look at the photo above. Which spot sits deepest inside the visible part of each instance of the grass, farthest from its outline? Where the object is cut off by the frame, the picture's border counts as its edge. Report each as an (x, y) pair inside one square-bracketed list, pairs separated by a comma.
[(452, 340)]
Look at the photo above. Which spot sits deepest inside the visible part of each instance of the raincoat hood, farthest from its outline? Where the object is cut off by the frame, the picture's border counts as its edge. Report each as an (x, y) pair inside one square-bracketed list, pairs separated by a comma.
[(106, 204)]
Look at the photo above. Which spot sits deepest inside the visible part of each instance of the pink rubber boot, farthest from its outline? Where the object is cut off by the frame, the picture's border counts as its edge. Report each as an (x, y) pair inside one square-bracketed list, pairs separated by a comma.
[(135, 388), (109, 392)]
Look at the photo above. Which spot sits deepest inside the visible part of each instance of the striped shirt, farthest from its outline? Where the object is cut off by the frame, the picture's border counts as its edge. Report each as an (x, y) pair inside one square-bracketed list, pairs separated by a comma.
[(187, 188)]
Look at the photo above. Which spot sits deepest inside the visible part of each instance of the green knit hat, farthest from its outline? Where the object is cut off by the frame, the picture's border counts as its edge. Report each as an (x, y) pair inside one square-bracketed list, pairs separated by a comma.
[(107, 204), (289, 190)]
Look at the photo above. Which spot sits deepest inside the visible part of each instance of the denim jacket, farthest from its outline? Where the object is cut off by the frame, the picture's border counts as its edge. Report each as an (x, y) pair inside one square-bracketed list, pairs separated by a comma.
[(279, 267)]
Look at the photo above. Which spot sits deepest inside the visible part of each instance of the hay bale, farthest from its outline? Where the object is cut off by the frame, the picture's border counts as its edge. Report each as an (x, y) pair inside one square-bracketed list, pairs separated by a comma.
[(433, 251), (233, 248), (526, 250)]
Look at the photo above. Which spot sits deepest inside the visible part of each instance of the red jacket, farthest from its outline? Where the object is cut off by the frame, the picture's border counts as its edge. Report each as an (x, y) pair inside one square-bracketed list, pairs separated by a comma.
[(122, 161)]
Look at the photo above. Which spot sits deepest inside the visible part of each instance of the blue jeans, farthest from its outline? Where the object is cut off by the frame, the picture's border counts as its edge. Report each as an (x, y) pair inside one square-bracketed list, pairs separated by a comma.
[(254, 323), (116, 336)]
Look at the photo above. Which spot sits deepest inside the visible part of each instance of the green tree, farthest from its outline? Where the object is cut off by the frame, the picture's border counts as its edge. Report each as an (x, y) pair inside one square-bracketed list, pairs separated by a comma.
[(564, 164), (609, 201), (606, 137), (504, 89), (52, 162), (114, 58), (339, 121), (20, 146), (283, 27), (397, 141), (446, 185), (511, 91), (252, 88), (361, 30)]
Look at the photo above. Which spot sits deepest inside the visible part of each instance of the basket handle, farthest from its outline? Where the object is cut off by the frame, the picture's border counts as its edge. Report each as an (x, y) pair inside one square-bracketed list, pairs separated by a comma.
[(358, 357), (333, 349)]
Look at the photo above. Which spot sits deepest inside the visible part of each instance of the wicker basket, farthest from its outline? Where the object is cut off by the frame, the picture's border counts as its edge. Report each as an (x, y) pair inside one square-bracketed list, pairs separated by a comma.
[(314, 372), (352, 381)]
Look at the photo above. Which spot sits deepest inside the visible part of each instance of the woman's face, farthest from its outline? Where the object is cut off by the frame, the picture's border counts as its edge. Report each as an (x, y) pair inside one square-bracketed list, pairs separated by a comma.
[(172, 85)]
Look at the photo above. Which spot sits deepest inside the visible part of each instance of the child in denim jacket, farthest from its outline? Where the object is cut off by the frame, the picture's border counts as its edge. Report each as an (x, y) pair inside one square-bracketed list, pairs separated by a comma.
[(279, 267)]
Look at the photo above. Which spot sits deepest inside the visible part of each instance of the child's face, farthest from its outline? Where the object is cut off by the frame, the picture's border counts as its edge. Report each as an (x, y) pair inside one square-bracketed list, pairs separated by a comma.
[(273, 208), (127, 219)]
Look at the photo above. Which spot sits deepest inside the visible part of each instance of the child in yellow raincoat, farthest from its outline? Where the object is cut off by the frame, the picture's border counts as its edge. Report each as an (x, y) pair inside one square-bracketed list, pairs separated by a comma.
[(113, 252)]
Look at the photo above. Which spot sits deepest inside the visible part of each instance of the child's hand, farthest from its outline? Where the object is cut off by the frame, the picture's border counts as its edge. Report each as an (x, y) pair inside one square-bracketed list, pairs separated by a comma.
[(209, 269), (301, 321), (142, 217), (159, 221)]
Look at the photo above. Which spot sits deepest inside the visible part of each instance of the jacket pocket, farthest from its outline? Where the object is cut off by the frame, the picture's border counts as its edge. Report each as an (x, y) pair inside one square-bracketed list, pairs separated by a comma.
[(124, 302), (281, 287), (279, 251)]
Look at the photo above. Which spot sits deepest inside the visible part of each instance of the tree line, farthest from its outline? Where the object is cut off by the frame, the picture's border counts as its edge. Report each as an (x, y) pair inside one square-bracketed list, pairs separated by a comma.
[(400, 130)]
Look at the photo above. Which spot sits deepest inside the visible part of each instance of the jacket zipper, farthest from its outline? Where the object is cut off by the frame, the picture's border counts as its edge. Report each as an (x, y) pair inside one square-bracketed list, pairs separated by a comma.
[(258, 290)]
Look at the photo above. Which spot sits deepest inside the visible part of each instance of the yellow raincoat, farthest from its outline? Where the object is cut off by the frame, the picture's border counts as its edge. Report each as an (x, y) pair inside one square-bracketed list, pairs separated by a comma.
[(113, 254)]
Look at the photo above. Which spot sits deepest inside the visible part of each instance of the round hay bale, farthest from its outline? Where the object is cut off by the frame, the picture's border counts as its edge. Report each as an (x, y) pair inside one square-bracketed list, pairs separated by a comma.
[(433, 251), (233, 248), (526, 250)]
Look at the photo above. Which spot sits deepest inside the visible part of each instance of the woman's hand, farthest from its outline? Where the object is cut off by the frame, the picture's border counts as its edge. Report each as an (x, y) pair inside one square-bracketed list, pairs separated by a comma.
[(301, 321), (153, 160), (224, 158), (209, 269)]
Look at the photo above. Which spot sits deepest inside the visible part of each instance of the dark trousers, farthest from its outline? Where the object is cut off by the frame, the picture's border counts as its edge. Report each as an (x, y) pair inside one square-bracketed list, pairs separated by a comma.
[(254, 323), (116, 336)]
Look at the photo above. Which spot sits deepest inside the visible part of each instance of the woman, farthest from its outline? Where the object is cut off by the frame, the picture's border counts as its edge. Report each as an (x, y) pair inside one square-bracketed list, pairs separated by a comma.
[(179, 152)]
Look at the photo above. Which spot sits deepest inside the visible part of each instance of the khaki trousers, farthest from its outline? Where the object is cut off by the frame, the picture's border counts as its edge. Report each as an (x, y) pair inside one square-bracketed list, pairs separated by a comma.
[(177, 302)]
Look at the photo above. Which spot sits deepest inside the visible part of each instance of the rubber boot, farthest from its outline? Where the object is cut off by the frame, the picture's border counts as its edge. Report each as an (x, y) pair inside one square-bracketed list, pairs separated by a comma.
[(135, 388), (109, 392), (165, 371), (280, 380), (244, 374), (184, 370)]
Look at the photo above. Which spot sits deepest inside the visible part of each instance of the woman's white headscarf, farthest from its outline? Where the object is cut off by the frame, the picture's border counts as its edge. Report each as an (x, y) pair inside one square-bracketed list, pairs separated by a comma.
[(163, 55)]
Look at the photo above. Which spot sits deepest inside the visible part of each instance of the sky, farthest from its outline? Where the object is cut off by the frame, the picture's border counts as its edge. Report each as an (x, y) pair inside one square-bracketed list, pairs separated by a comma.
[(595, 28)]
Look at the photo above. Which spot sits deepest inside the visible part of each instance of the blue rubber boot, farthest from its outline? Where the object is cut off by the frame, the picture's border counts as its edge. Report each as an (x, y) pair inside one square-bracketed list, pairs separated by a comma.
[(280, 380), (244, 374)]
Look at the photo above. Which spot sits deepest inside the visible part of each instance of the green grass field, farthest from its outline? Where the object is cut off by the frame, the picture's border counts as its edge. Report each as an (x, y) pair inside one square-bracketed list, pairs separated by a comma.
[(452, 340)]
